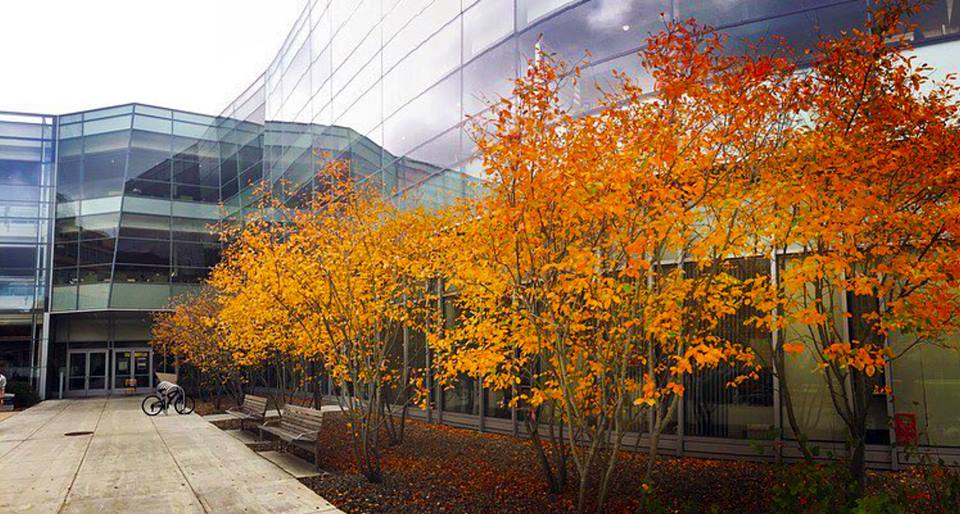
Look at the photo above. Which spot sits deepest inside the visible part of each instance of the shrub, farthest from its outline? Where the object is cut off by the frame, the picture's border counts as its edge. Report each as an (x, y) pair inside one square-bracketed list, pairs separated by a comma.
[(877, 504), (25, 396), (930, 486), (812, 487)]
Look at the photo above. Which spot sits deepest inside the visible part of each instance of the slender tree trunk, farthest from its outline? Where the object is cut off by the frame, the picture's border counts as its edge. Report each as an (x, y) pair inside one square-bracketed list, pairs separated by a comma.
[(315, 379), (404, 411), (608, 474), (374, 471), (532, 424), (218, 398), (655, 436), (582, 491), (405, 386), (787, 402), (860, 392), (559, 453), (652, 454)]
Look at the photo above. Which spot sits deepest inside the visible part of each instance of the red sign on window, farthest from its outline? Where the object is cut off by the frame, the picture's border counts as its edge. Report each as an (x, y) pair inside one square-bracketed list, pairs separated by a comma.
[(905, 426)]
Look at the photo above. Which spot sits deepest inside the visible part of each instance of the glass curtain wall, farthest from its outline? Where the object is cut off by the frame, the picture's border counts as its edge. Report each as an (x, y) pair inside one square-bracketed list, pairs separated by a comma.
[(387, 86), (26, 194), (711, 407), (137, 195)]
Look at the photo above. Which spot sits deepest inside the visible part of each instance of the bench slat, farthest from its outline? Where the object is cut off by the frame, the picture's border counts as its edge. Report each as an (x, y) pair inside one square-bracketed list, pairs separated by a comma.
[(301, 420), (290, 435), (297, 421), (254, 406)]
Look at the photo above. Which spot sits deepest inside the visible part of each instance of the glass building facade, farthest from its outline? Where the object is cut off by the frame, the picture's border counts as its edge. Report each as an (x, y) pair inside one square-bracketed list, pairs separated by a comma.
[(137, 196), (390, 84), (106, 214), (26, 197)]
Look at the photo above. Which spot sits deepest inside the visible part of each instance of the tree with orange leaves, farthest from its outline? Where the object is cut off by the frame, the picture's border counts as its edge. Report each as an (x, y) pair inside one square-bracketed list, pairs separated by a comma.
[(862, 209), (338, 280), (192, 332), (595, 275)]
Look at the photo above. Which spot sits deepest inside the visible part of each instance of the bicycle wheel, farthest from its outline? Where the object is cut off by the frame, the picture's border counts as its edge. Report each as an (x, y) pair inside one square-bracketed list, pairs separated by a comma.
[(183, 404), (152, 405)]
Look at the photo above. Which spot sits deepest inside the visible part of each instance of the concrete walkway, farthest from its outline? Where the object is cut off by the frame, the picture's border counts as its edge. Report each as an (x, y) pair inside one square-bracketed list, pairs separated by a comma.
[(132, 462)]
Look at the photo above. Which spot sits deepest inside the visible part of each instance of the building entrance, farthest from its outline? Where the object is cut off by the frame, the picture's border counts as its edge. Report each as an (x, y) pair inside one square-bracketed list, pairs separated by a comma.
[(87, 372), (132, 368)]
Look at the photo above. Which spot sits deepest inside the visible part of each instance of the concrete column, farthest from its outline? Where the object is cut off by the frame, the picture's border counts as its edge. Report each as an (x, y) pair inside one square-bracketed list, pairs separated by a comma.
[(44, 356)]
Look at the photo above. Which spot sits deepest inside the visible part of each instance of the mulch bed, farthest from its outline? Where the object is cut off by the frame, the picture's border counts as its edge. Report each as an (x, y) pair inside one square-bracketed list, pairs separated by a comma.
[(206, 407), (445, 469)]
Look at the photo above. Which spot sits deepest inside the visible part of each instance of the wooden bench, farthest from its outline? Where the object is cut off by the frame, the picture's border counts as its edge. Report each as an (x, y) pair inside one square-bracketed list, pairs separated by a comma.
[(253, 408), (298, 426)]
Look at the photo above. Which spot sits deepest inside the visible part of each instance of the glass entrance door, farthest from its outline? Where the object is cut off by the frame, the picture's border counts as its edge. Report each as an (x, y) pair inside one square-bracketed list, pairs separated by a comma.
[(87, 371), (131, 368), (77, 378)]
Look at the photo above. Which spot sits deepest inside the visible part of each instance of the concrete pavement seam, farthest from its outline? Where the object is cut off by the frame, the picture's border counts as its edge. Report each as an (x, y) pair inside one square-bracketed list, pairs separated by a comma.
[(177, 463), (83, 457)]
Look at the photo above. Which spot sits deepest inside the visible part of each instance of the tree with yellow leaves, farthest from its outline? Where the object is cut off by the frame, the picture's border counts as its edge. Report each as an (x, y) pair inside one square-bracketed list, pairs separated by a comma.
[(191, 331), (338, 280), (263, 333)]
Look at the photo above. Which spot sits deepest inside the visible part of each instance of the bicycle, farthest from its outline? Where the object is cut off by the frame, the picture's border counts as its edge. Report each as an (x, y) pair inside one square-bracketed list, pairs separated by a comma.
[(167, 394)]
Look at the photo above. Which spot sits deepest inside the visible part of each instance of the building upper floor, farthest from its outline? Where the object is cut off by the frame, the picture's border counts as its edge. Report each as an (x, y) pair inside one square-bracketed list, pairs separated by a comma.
[(116, 208)]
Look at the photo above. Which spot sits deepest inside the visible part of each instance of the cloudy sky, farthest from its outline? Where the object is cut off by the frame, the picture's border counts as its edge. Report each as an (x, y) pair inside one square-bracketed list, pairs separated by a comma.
[(60, 56)]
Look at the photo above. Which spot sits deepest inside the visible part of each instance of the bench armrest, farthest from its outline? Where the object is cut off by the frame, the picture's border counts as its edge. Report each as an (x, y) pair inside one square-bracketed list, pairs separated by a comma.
[(300, 437)]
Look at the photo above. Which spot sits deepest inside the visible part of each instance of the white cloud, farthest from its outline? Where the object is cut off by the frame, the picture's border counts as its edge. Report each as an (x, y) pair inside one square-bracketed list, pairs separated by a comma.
[(59, 56)]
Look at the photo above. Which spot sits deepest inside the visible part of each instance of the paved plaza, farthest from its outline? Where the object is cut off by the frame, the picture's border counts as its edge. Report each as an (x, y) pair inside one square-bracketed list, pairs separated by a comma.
[(130, 462)]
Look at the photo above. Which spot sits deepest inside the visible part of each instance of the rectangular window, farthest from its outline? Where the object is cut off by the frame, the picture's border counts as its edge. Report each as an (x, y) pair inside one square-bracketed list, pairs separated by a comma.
[(196, 193), (143, 251), (150, 124), (110, 111), (186, 171), (489, 77), (125, 273), (19, 173), (98, 226), (71, 130), (148, 188), (103, 174), (94, 274), (98, 251), (149, 164), (529, 11), (65, 276), (925, 389), (485, 24), (66, 229), (153, 111), (115, 142), (15, 209), (711, 407), (183, 275), (144, 226), (461, 398), (194, 255), (16, 256), (810, 394), (23, 193), (106, 125), (65, 254)]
